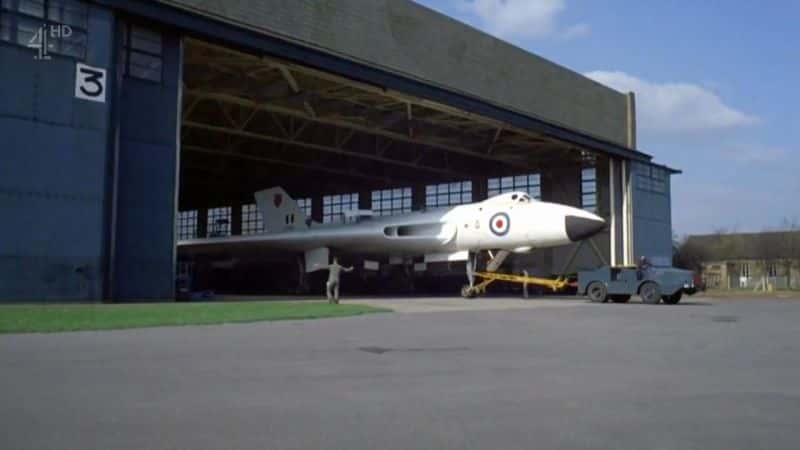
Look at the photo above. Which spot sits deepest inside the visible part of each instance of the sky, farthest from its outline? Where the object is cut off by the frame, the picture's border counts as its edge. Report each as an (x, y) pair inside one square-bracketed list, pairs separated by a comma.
[(717, 88)]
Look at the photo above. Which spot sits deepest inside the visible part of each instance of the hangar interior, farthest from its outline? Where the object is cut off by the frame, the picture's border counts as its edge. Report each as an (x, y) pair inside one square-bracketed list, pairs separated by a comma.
[(250, 122)]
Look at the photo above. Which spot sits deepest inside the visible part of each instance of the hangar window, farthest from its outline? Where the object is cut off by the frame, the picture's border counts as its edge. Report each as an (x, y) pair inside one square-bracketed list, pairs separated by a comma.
[(447, 194), (334, 205), (650, 178), (49, 26), (252, 222), (772, 270), (187, 224), (744, 271), (142, 53), (589, 189), (219, 221), (388, 202), (530, 183), (305, 206)]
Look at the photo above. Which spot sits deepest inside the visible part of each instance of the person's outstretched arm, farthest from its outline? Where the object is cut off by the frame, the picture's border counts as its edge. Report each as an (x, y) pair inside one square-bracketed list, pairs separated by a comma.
[(348, 269)]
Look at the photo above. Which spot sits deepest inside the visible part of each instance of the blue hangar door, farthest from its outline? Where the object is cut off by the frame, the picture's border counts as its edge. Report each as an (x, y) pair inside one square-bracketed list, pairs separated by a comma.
[(147, 146)]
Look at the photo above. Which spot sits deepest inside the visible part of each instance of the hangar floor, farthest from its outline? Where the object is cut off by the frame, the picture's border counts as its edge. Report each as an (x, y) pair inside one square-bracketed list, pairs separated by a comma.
[(721, 375)]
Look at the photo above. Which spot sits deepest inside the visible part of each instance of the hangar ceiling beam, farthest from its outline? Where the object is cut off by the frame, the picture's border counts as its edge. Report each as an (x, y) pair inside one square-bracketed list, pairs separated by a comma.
[(280, 162), (345, 124), (318, 147), (494, 140), (295, 86), (362, 88)]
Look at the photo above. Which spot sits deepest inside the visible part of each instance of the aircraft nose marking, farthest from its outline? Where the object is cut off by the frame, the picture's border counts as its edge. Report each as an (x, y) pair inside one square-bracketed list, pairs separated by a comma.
[(499, 224)]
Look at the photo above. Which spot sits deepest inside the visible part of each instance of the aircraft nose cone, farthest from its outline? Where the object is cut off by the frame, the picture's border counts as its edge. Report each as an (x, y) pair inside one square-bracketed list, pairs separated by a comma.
[(580, 228)]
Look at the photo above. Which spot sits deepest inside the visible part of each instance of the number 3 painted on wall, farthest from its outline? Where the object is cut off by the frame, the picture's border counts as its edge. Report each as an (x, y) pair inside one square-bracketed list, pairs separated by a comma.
[(90, 83)]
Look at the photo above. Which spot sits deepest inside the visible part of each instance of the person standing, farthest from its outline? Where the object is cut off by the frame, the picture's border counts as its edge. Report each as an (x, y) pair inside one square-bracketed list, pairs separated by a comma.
[(332, 286)]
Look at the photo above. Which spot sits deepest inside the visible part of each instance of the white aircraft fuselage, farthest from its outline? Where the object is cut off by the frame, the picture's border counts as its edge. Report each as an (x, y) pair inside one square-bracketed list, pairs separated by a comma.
[(513, 222)]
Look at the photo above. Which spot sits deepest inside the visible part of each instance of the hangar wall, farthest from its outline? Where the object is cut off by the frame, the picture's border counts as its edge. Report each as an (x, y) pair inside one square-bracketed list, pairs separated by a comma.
[(147, 180), (652, 213), (53, 172), (388, 33)]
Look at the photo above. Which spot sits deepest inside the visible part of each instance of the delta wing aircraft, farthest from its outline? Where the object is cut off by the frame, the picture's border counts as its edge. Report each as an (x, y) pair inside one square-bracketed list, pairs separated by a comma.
[(500, 225)]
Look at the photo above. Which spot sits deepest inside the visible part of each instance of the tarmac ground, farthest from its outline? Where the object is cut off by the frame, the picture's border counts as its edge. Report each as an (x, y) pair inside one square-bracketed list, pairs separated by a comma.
[(496, 373)]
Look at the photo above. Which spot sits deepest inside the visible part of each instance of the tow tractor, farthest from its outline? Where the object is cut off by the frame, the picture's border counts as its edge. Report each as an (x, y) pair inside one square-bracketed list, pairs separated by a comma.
[(652, 284), (616, 284)]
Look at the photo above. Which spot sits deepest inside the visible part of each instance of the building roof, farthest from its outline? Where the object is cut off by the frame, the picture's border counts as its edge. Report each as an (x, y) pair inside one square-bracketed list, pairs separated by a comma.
[(405, 38), (765, 245)]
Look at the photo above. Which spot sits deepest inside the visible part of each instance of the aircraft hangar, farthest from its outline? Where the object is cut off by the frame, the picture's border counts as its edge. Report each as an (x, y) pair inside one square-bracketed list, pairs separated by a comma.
[(381, 105)]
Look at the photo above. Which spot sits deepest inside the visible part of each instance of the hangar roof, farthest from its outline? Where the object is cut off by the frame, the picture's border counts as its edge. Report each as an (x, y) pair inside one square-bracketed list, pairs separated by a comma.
[(406, 39)]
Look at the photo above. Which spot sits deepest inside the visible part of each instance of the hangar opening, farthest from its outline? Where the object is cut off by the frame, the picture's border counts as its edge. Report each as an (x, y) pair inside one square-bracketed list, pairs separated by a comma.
[(251, 121)]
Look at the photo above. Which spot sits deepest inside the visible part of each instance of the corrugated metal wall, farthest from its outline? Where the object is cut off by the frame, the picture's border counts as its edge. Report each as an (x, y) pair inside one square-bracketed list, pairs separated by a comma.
[(144, 261), (53, 167), (652, 213)]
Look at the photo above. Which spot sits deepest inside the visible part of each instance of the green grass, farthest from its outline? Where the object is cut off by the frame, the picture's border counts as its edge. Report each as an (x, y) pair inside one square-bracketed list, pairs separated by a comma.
[(55, 318)]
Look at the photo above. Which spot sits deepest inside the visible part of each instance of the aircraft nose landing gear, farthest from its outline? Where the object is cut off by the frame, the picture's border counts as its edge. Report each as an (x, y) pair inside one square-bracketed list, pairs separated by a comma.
[(468, 291)]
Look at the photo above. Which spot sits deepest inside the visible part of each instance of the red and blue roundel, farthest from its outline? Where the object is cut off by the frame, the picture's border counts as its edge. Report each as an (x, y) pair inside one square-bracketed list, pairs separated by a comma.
[(500, 224)]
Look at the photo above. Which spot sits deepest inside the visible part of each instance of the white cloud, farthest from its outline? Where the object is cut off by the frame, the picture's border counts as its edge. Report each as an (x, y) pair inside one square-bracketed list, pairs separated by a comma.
[(675, 107), (523, 18)]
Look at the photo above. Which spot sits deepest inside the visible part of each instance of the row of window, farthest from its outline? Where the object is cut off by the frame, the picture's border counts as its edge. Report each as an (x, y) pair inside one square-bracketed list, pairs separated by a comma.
[(142, 53), (531, 183), (60, 27), (218, 220), (385, 202), (589, 189), (51, 26), (448, 194), (650, 178), (772, 270), (334, 205), (388, 202)]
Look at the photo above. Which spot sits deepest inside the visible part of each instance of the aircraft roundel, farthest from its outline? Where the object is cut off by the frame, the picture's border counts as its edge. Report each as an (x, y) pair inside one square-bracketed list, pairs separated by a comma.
[(499, 224)]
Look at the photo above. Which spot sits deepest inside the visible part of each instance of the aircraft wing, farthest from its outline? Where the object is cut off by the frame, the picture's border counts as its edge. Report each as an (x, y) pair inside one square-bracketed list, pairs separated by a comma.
[(415, 235)]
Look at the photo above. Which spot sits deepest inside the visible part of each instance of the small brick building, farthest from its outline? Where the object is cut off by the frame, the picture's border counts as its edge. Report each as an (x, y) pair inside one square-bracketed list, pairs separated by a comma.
[(747, 260)]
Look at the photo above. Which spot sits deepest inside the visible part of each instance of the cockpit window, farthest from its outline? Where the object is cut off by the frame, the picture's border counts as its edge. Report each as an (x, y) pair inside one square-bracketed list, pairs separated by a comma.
[(514, 197)]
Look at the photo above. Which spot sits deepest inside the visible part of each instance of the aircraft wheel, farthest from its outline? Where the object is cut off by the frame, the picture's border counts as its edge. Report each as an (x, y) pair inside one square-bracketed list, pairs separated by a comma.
[(597, 292), (620, 298), (650, 292), (468, 292), (672, 299)]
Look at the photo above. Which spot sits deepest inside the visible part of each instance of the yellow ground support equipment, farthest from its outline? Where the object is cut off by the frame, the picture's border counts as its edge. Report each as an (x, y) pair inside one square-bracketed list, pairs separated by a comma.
[(490, 277)]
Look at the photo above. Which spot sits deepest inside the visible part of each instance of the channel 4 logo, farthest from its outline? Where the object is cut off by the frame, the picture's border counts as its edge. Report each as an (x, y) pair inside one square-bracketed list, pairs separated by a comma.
[(42, 39)]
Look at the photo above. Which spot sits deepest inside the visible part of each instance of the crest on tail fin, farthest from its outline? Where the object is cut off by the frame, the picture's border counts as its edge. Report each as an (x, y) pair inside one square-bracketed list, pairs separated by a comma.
[(279, 211)]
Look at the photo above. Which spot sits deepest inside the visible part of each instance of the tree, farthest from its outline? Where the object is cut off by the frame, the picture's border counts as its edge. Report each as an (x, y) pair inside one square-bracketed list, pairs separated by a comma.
[(689, 254), (792, 246)]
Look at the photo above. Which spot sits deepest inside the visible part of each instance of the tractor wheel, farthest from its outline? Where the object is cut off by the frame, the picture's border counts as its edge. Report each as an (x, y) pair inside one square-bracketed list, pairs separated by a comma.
[(650, 292), (672, 299), (597, 292), (620, 298)]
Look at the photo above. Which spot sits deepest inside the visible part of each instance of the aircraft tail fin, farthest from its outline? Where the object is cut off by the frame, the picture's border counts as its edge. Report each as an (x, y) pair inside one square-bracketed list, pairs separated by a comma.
[(279, 211)]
